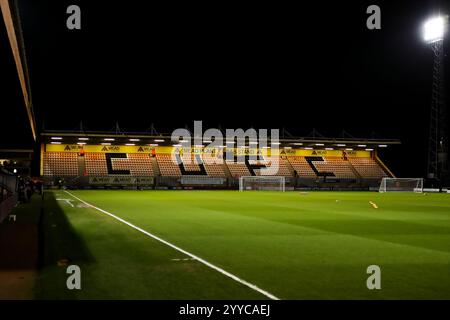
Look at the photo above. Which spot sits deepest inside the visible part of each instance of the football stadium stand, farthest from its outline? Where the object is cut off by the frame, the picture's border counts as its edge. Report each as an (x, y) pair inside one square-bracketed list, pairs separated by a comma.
[(302, 167), (60, 164), (163, 165), (368, 168), (167, 167), (237, 169), (334, 167)]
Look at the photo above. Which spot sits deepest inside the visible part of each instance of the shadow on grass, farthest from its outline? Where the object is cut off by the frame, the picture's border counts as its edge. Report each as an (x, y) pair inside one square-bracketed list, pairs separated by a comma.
[(19, 250), (60, 246), (18, 239)]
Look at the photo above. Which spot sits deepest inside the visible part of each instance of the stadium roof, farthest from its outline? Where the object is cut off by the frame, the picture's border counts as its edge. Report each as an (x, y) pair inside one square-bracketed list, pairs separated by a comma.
[(165, 139), (12, 24)]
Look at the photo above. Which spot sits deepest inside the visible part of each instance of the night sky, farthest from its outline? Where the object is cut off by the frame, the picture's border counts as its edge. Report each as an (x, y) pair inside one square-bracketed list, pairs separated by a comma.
[(260, 65)]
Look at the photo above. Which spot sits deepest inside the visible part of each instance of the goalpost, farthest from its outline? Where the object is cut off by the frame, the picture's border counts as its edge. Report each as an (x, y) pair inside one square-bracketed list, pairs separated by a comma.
[(401, 185), (268, 183)]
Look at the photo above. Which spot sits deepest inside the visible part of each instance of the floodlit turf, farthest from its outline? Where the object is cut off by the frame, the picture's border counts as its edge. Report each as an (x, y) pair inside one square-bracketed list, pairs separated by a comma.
[(316, 245)]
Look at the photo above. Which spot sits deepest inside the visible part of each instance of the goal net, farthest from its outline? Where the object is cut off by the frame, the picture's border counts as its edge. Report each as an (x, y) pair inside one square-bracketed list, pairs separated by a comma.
[(401, 185), (269, 183)]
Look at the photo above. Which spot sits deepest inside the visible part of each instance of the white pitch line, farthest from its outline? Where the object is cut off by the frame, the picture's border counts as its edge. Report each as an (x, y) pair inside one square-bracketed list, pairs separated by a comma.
[(66, 201), (206, 263), (185, 259)]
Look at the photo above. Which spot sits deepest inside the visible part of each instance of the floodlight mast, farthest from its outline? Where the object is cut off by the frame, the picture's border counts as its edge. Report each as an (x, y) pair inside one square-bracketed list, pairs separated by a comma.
[(434, 32)]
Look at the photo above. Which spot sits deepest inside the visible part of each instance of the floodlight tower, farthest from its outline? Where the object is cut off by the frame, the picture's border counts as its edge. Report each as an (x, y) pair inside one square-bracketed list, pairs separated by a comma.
[(433, 33)]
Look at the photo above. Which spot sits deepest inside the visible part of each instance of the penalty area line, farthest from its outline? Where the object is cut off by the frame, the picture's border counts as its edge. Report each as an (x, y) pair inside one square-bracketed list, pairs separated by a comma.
[(193, 256)]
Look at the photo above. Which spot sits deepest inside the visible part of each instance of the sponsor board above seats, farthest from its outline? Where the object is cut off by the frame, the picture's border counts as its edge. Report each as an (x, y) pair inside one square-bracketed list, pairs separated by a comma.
[(205, 150)]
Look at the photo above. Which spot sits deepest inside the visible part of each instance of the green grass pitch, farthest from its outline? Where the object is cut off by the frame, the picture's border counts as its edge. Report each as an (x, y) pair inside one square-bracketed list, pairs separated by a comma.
[(315, 245)]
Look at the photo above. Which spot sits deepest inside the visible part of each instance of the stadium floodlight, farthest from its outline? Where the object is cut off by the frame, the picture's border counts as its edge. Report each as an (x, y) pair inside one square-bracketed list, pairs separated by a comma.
[(109, 139), (341, 144), (253, 142), (319, 144), (135, 139), (433, 34), (297, 144), (382, 146), (307, 148), (106, 144), (362, 145), (159, 140), (56, 138), (129, 144), (266, 147), (153, 144), (329, 149), (369, 149), (349, 149), (83, 139), (81, 143), (275, 143), (55, 142), (434, 29)]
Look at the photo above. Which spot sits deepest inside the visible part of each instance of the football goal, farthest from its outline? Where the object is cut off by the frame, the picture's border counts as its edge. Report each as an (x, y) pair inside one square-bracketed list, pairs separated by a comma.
[(269, 183), (401, 185)]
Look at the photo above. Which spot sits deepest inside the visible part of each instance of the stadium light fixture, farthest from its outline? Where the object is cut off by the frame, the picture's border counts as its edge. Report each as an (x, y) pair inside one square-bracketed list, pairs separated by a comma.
[(341, 144), (434, 29), (288, 148), (275, 143), (253, 142), (207, 141), (329, 149), (382, 146), (319, 144), (129, 144), (266, 147), (83, 139), (297, 144), (106, 144), (55, 142), (308, 148), (362, 145), (56, 138), (135, 139), (159, 140), (369, 149), (349, 149), (153, 144), (81, 143), (177, 145), (109, 139)]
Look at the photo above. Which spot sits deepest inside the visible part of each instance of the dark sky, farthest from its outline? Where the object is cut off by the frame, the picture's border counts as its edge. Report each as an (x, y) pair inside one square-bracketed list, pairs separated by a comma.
[(263, 65)]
